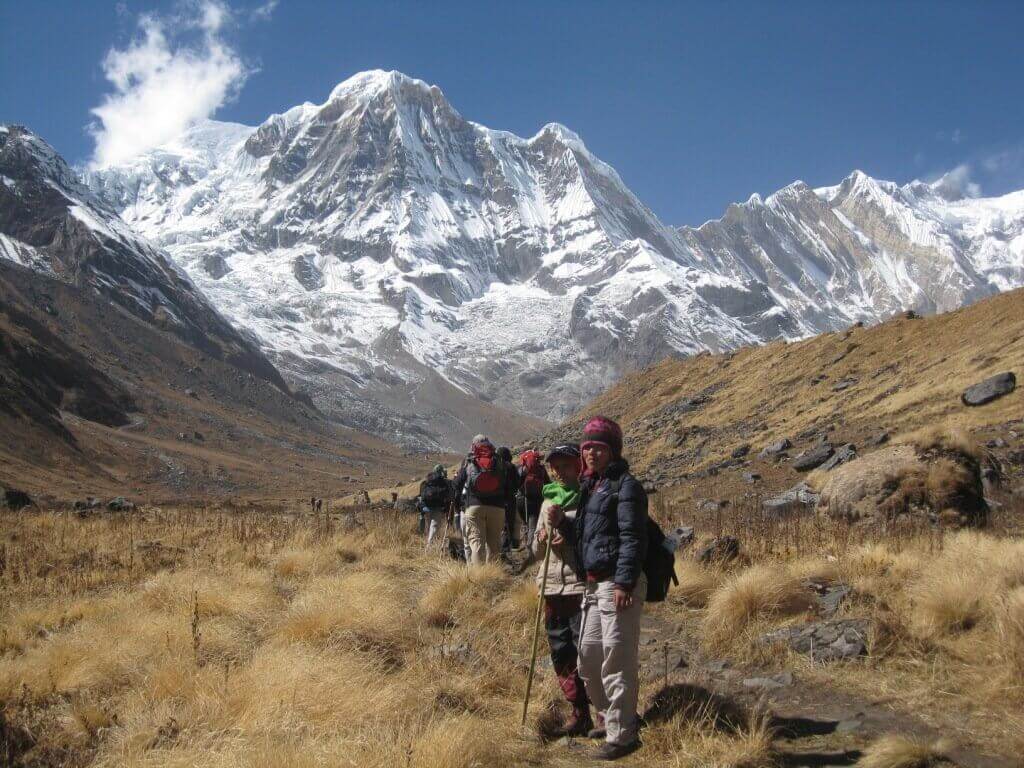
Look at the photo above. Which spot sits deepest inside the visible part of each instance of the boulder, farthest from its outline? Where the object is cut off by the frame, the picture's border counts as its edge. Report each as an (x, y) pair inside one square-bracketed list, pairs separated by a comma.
[(831, 640), (15, 500), (843, 454), (797, 500), (829, 596), (708, 506), (683, 536), (898, 480), (772, 449), (741, 451), (813, 457), (842, 384), (751, 477), (721, 550), (990, 389), (120, 504)]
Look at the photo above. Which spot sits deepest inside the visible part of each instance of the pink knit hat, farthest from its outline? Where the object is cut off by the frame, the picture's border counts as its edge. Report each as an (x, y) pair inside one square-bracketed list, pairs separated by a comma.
[(605, 431)]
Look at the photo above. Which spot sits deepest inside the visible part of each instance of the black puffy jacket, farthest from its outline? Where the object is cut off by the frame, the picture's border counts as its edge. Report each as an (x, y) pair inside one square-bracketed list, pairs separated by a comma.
[(611, 528)]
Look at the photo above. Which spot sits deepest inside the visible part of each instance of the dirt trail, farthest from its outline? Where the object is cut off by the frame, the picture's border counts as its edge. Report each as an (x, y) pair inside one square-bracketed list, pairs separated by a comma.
[(819, 724)]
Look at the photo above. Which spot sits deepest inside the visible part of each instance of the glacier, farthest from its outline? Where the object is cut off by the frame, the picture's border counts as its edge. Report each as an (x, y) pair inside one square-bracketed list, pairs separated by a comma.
[(394, 258)]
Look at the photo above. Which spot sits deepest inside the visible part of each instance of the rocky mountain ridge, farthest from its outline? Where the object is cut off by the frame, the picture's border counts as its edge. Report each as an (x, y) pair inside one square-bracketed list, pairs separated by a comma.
[(401, 263)]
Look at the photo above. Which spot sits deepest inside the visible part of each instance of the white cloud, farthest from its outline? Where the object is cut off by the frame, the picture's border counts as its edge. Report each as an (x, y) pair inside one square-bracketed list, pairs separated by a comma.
[(957, 184), (262, 12), (176, 71)]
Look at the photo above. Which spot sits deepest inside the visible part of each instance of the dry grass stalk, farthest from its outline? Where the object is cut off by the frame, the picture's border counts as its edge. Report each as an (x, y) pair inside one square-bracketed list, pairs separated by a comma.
[(899, 752)]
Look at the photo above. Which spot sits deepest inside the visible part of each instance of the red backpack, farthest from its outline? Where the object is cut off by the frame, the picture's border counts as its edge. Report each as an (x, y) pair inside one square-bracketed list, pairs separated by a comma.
[(485, 474), (535, 477)]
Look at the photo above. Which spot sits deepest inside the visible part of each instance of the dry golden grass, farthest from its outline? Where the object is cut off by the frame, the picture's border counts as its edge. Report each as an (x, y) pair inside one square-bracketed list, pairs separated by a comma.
[(699, 740), (899, 752), (696, 583), (276, 640), (763, 591)]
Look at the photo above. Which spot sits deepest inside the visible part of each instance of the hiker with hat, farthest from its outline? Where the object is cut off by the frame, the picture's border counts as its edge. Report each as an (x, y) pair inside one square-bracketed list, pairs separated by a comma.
[(434, 500), (610, 538), (562, 586), (482, 486)]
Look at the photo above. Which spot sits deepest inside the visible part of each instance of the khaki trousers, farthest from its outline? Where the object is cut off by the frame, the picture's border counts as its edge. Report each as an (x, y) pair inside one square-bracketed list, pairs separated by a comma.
[(483, 525), (610, 659)]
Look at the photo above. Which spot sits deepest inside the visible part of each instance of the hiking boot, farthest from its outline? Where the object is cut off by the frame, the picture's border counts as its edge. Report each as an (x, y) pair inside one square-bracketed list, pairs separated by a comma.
[(578, 724), (609, 751), (598, 731)]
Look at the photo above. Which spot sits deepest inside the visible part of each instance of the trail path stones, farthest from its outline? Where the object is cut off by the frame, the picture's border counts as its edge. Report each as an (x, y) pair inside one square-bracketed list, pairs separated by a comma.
[(832, 640)]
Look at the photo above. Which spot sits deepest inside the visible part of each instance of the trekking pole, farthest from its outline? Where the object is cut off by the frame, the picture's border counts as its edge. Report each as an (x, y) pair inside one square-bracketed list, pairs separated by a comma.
[(536, 622)]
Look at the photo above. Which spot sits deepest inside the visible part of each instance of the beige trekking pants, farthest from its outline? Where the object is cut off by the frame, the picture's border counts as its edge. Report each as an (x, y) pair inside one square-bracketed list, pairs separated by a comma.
[(609, 657), (483, 526)]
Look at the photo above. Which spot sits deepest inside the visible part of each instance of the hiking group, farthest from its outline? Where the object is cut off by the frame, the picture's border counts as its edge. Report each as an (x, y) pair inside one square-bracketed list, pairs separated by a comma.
[(607, 557)]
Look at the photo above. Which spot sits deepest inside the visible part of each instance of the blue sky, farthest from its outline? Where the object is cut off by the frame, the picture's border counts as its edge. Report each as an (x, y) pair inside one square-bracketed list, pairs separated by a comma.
[(696, 104)]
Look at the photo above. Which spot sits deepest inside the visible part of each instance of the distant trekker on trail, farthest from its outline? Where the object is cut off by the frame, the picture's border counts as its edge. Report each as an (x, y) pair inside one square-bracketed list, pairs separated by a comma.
[(510, 531), (563, 588), (532, 479), (482, 486), (434, 500), (610, 537)]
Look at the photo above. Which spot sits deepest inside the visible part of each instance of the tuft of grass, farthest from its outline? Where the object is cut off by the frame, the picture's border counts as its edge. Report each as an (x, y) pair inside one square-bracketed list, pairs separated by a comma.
[(894, 751), (696, 583), (1010, 633), (457, 591), (762, 591)]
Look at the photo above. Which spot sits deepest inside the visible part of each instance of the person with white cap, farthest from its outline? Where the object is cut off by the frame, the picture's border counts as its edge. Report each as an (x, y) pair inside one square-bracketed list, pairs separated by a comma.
[(482, 488)]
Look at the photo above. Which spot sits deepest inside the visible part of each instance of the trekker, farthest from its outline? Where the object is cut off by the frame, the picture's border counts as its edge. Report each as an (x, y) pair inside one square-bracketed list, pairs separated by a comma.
[(532, 479), (482, 485), (434, 500), (563, 590), (610, 537), (510, 532)]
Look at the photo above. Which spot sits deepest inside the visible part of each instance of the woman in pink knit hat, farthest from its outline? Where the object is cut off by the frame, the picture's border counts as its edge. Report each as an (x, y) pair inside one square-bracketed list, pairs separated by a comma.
[(610, 537)]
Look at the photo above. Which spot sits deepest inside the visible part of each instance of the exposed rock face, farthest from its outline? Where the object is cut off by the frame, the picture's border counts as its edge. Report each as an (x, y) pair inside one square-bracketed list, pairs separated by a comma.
[(776, 448), (843, 454), (813, 457), (990, 389), (370, 237), (797, 500), (52, 223)]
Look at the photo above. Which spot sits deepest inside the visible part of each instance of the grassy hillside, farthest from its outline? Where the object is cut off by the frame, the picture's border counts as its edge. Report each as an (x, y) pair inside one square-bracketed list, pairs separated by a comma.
[(684, 417)]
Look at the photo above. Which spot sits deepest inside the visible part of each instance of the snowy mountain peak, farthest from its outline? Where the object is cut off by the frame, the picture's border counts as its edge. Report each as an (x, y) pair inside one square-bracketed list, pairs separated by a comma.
[(386, 250)]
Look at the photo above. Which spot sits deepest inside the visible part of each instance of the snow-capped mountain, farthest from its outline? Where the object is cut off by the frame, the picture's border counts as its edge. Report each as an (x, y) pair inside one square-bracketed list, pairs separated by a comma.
[(51, 223), (402, 262)]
